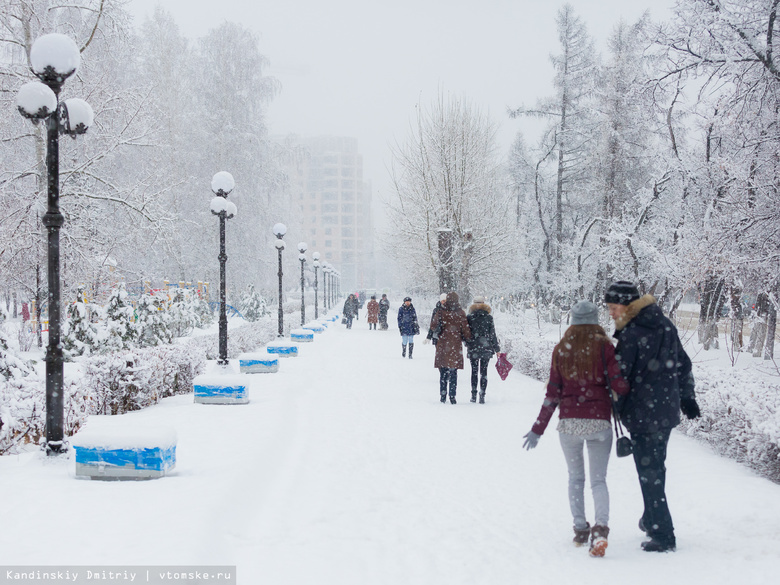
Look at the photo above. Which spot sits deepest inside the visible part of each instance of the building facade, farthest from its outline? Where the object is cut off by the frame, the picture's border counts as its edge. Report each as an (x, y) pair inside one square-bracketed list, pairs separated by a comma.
[(335, 207)]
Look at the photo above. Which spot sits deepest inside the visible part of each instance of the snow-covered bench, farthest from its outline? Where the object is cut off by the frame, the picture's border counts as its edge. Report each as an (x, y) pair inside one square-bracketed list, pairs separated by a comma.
[(302, 335), (258, 363), (125, 453), (282, 348), (221, 389), (314, 326)]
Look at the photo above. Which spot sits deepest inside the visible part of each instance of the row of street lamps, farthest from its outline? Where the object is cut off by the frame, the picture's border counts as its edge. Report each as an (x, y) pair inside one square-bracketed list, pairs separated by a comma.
[(330, 277), (54, 58)]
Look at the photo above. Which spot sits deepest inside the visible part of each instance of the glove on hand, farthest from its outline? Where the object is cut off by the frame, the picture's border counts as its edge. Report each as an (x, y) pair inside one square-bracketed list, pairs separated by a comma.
[(531, 439), (426, 341), (690, 408)]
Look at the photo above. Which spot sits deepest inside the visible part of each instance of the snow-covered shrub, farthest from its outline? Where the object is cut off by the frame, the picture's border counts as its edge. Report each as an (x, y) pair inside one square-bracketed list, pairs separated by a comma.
[(740, 417), (248, 337), (80, 334), (23, 411), (11, 366), (119, 331), (153, 321), (253, 305), (125, 381)]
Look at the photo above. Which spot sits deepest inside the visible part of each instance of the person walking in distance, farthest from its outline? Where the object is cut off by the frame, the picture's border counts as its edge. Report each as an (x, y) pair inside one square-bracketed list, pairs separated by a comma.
[(482, 346), (453, 331), (583, 371), (408, 326), (372, 312), (659, 372), (351, 306), (384, 308)]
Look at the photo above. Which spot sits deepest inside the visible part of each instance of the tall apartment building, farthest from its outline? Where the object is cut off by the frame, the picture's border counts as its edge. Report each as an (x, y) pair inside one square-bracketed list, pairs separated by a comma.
[(335, 207)]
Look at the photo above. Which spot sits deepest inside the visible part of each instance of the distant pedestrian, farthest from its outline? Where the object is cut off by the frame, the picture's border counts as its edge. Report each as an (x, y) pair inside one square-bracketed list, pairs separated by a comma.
[(384, 308), (434, 335), (483, 344), (659, 372), (372, 313), (408, 326), (351, 307), (578, 384), (453, 331)]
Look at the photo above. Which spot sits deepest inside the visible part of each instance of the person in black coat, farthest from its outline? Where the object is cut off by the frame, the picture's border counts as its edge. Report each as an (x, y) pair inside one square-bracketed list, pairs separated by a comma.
[(482, 346), (659, 373), (434, 335), (384, 307), (351, 306)]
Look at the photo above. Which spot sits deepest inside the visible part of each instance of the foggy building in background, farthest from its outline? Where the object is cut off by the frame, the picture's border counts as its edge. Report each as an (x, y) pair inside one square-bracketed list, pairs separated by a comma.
[(335, 206)]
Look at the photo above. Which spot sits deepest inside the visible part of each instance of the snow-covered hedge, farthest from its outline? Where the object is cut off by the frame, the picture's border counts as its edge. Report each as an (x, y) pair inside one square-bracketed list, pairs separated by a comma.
[(23, 411), (125, 381), (740, 417), (245, 338), (112, 384)]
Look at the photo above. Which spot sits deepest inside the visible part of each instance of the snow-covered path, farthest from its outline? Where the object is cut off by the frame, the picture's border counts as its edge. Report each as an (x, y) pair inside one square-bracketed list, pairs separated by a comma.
[(346, 469)]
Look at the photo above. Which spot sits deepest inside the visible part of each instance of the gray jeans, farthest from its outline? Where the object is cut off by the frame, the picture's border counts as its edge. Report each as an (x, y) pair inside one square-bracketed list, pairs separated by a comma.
[(599, 446)]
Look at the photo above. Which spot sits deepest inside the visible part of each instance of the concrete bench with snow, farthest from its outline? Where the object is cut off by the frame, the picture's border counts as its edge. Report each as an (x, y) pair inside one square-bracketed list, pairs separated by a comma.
[(302, 335), (221, 388), (125, 453), (314, 326), (282, 348), (258, 363)]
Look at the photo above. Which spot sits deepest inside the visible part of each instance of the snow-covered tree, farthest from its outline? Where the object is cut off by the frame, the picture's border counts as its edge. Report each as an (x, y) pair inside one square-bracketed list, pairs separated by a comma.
[(11, 365), (153, 320), (80, 335), (253, 305), (118, 330), (183, 312), (447, 176)]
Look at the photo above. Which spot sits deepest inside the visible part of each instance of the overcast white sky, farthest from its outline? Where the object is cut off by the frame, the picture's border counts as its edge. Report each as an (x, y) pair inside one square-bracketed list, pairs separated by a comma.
[(358, 67)]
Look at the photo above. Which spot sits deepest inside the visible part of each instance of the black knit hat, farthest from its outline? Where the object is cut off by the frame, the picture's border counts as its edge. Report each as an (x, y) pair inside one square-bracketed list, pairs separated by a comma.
[(621, 292)]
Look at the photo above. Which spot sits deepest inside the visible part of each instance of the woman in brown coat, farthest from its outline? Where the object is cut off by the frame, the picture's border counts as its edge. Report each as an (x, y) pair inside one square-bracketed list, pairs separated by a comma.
[(373, 313), (453, 329)]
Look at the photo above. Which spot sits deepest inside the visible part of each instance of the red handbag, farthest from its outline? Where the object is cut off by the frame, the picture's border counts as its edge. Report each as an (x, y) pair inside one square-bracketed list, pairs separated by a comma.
[(503, 366)]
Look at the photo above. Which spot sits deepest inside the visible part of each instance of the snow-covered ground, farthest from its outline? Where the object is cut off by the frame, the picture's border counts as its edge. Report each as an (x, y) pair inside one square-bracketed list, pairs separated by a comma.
[(346, 469)]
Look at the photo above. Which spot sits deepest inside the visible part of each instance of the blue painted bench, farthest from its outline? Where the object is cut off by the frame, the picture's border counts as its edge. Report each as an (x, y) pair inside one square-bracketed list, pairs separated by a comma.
[(221, 389), (125, 454), (282, 348), (258, 363)]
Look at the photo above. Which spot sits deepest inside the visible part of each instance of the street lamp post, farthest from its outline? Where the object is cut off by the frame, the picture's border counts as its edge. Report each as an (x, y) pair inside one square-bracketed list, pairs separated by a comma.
[(53, 59), (316, 264), (325, 277), (279, 230), (222, 184), (302, 247)]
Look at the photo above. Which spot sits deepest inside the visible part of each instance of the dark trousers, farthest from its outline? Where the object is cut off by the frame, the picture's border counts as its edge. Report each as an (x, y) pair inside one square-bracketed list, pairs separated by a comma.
[(372, 326), (349, 321), (650, 460), (479, 370), (448, 376)]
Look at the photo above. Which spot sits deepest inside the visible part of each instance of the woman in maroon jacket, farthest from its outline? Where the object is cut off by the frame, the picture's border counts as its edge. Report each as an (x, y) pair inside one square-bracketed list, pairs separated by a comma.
[(579, 386)]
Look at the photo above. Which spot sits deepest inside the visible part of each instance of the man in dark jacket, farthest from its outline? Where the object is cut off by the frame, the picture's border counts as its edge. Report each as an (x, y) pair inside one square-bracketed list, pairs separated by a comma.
[(658, 370), (384, 307)]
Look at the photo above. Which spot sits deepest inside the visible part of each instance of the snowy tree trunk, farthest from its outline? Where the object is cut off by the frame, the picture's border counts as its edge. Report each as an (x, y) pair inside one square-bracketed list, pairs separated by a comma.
[(771, 327), (712, 299)]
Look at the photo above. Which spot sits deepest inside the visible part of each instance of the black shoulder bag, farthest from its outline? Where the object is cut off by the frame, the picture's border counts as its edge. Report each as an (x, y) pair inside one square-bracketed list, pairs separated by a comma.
[(623, 447)]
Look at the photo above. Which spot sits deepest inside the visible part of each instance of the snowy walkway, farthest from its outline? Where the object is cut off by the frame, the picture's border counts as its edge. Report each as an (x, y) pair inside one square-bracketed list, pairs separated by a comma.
[(346, 469)]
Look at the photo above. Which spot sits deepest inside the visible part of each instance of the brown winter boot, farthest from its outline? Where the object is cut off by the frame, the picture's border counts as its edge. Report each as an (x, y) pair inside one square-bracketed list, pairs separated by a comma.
[(581, 536), (598, 541)]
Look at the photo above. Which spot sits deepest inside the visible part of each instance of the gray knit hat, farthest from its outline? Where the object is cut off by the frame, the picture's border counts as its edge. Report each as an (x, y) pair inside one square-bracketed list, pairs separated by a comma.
[(479, 300), (584, 313)]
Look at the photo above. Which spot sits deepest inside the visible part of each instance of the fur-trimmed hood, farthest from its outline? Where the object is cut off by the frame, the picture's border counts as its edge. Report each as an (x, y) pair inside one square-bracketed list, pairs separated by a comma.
[(633, 310), (477, 306)]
